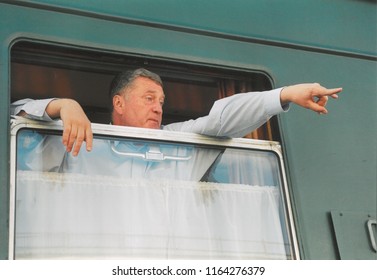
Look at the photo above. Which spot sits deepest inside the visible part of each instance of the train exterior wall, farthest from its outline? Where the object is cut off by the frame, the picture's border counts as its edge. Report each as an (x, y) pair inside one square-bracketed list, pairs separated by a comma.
[(330, 159)]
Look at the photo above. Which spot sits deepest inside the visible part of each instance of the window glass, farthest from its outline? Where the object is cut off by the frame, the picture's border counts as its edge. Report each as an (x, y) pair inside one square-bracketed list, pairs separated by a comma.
[(140, 198)]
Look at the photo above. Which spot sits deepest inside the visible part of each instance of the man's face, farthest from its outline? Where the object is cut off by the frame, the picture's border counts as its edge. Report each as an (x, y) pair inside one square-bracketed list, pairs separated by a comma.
[(141, 104)]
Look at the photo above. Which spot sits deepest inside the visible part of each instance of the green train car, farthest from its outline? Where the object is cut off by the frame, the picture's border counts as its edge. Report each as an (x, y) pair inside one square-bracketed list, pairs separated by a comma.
[(322, 167)]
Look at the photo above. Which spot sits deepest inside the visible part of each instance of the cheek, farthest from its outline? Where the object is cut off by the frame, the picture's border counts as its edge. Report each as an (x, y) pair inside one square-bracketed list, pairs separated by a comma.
[(130, 115), (141, 114)]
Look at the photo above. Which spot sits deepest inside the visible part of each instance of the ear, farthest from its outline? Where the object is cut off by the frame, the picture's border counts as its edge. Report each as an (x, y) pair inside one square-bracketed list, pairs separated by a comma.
[(118, 104)]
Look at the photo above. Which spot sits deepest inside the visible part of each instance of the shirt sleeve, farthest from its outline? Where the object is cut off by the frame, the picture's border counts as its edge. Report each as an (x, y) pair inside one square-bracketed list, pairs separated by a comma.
[(235, 116), (34, 109)]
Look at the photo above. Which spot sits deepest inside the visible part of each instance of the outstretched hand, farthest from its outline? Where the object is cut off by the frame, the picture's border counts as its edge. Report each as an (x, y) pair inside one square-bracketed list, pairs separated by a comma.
[(76, 125), (310, 96)]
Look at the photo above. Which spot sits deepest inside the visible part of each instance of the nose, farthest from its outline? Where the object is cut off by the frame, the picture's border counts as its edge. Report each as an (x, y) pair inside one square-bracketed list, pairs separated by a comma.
[(157, 108)]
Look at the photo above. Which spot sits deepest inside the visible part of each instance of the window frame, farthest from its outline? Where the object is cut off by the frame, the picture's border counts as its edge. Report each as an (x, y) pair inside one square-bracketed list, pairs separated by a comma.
[(18, 123)]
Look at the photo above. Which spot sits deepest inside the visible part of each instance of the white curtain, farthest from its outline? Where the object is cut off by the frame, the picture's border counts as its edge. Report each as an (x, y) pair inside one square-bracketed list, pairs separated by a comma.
[(62, 215)]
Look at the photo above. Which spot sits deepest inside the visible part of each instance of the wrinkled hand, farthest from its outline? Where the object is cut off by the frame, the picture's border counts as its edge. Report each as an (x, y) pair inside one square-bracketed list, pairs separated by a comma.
[(310, 96), (76, 125)]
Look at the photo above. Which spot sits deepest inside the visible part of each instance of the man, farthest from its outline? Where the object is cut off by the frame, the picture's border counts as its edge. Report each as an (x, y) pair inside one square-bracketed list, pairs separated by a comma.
[(138, 97), (168, 191)]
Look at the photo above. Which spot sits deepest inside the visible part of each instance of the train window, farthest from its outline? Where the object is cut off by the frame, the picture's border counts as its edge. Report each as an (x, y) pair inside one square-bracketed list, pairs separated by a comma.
[(216, 179), (43, 71), (148, 197)]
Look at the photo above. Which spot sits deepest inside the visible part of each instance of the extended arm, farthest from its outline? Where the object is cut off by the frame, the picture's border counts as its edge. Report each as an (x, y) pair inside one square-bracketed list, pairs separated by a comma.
[(237, 115), (76, 125)]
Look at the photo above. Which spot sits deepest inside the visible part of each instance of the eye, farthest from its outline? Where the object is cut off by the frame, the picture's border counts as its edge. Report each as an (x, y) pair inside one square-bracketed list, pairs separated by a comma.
[(148, 99)]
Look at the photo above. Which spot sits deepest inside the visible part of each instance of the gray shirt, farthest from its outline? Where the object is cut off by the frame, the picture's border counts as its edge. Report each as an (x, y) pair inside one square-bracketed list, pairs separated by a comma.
[(233, 116)]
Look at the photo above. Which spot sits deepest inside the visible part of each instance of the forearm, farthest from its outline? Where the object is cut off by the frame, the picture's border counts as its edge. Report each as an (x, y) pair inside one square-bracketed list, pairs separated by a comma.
[(55, 107), (32, 109), (247, 112), (235, 116), (42, 109)]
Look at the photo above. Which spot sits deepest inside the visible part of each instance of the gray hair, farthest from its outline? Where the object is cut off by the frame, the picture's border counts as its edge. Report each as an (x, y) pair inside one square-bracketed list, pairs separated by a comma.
[(125, 79)]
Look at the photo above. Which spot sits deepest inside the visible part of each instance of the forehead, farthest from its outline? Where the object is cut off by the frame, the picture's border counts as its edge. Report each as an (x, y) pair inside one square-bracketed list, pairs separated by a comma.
[(142, 85)]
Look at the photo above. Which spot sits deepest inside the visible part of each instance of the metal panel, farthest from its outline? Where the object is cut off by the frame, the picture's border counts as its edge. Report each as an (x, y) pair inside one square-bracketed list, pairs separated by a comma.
[(243, 20), (355, 234)]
